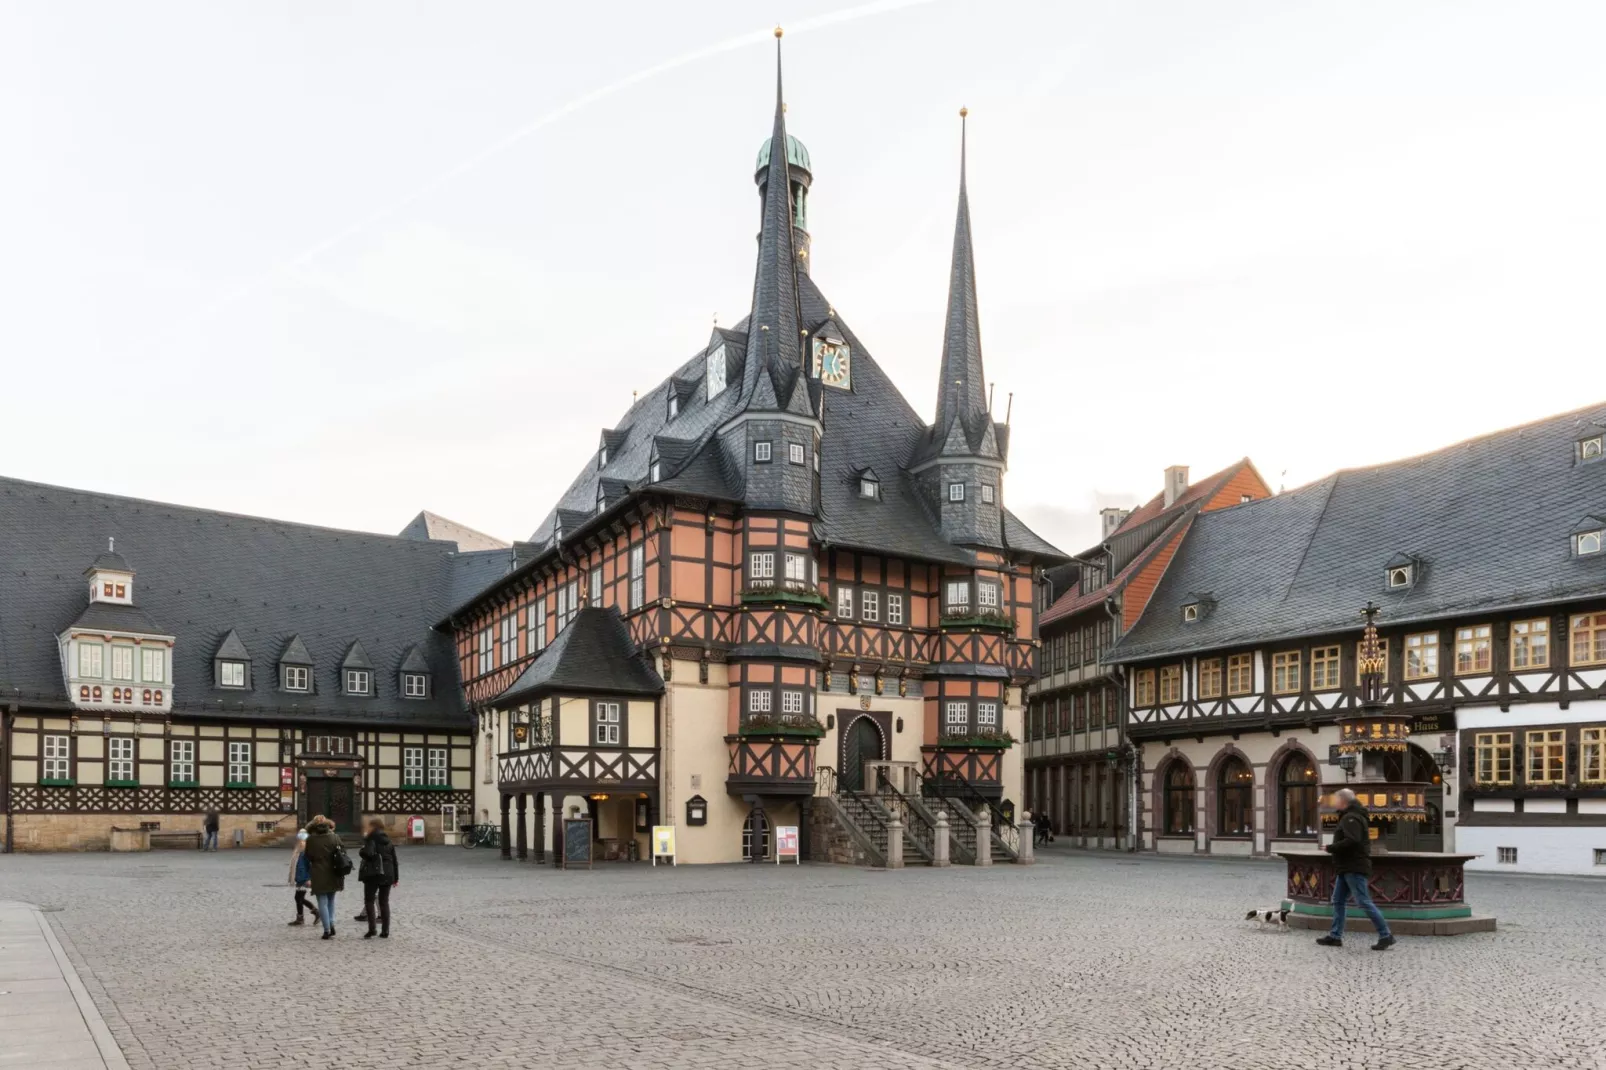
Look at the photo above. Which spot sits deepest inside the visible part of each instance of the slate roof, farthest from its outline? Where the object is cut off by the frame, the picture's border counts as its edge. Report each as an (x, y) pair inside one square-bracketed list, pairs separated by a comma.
[(1488, 519), (204, 576), (593, 654), (110, 560), (428, 525), (116, 617)]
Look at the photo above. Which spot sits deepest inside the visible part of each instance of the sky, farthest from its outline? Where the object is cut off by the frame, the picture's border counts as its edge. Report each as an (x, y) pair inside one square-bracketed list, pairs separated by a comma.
[(339, 262)]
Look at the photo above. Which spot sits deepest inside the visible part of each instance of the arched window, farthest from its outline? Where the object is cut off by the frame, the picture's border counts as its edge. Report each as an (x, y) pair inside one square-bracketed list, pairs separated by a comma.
[(1296, 791), (1178, 807), (1235, 799)]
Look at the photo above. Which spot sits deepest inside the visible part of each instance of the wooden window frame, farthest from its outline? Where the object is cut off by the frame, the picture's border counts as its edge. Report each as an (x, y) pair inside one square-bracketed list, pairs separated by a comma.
[(412, 679), (894, 608), (98, 650), (1211, 677), (361, 681), (1545, 747), (1282, 661), (986, 715), (1595, 630), (1488, 750), (1143, 687), (413, 767), (1592, 755), (114, 743), (844, 601), (1524, 634), (1427, 645), (1245, 664), (146, 654), (1467, 639), (288, 674), (1168, 684), (607, 723), (181, 770), (1326, 668), (46, 758), (952, 726), (234, 764)]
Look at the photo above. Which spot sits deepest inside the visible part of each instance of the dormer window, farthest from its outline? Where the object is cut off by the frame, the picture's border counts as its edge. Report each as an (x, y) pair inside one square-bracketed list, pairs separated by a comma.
[(1592, 448), (655, 471), (296, 678), (716, 372), (1399, 576), (602, 498), (674, 403), (415, 685), (1588, 542), (869, 488), (231, 674), (602, 457), (1190, 613), (359, 682)]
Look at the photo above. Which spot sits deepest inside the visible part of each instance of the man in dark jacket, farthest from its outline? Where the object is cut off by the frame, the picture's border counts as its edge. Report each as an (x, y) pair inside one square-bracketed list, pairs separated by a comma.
[(209, 825), (322, 848), (1352, 858)]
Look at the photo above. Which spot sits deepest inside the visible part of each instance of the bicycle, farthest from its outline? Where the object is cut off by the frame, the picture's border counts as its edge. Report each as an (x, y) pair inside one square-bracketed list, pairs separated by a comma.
[(481, 836)]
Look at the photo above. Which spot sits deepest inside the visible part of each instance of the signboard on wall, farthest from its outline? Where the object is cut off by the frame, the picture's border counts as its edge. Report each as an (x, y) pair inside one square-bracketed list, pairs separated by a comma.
[(663, 844), (786, 844), (1433, 724), (577, 842)]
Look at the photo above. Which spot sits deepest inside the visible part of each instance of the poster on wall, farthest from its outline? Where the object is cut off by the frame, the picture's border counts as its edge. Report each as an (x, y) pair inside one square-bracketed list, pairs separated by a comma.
[(663, 844), (786, 844)]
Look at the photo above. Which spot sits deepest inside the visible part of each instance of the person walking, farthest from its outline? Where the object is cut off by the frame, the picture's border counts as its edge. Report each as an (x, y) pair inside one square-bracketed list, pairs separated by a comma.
[(1352, 859), (322, 850), (378, 874), (301, 877), (209, 825)]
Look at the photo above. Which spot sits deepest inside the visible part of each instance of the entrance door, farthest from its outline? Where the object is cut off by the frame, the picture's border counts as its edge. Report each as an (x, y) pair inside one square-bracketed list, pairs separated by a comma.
[(335, 798), (861, 743)]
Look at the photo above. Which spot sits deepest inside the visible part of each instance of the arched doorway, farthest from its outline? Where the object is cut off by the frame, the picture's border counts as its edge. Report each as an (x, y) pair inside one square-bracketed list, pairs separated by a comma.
[(862, 742), (1416, 764), (756, 836)]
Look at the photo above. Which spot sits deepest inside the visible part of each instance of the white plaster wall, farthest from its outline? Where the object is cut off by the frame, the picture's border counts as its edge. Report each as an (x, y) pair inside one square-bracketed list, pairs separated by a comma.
[(1539, 850)]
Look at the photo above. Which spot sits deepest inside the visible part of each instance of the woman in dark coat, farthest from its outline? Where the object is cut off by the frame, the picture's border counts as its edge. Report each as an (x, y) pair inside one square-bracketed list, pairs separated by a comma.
[(322, 843), (378, 874)]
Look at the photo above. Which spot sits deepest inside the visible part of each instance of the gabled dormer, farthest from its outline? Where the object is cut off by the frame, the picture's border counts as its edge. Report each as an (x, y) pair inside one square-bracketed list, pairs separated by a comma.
[(113, 655), (231, 665), (1589, 537), (1200, 604), (357, 673), (110, 578), (295, 667), (609, 446), (415, 680), (869, 484), (1402, 572)]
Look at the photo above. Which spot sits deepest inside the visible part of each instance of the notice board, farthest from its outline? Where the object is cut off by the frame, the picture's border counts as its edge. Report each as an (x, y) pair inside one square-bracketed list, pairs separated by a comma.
[(577, 842)]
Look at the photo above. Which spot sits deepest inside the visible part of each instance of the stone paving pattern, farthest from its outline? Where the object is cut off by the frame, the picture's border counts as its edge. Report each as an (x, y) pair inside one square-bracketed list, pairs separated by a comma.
[(1084, 960)]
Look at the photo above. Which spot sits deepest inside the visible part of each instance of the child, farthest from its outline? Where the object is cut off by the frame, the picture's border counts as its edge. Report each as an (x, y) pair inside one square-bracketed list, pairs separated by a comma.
[(301, 877)]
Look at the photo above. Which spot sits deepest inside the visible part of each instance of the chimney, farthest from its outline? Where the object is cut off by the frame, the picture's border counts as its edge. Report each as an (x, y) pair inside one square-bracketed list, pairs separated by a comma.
[(1111, 518), (1176, 481)]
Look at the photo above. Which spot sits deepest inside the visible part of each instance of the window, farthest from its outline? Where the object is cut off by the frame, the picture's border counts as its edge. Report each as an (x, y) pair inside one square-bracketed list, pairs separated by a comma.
[(122, 662), (1473, 652), (1079, 712), (1170, 683), (1240, 674), (568, 603), (120, 759), (956, 718), (153, 665), (1210, 678), (844, 601), (1178, 806), (1144, 688), (296, 678), (956, 492), (1492, 757), (1399, 576), (1324, 668), (1592, 755), (894, 609), (791, 702), (1285, 672), (509, 646), (602, 462), (607, 734), (231, 674), (1422, 656), (438, 777), (57, 765), (761, 566), (987, 596), (797, 568), (1506, 856), (869, 605), (594, 585), (1242, 498), (359, 681), (674, 403), (655, 471), (1235, 799), (1588, 542), (638, 576), (240, 763), (989, 494), (328, 745), (181, 761), (761, 452), (794, 453), (415, 685), (715, 372), (987, 716), (535, 625), (1530, 644), (1600, 856), (89, 660), (1296, 786), (1190, 613), (1547, 756), (958, 596), (1383, 649), (869, 488), (487, 659), (412, 767), (1590, 449), (758, 701), (1589, 639)]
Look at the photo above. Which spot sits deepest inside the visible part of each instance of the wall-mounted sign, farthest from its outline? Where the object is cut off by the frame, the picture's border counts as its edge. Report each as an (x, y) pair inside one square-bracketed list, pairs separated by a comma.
[(1432, 724), (786, 844), (287, 777), (663, 844)]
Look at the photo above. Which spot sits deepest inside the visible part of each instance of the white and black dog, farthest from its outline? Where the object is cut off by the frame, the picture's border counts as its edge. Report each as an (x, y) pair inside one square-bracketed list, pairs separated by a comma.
[(1278, 918)]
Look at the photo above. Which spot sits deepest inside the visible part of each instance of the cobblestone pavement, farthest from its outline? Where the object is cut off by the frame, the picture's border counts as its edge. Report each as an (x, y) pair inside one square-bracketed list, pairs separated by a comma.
[(1085, 960)]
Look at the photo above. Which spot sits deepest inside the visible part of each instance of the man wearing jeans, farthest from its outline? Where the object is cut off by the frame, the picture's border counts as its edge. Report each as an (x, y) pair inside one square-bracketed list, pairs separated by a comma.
[(210, 826), (1352, 858)]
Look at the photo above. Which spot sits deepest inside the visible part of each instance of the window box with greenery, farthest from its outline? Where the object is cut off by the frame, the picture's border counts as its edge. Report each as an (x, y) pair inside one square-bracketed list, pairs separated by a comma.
[(783, 589), (239, 784), (426, 787), (122, 783), (183, 783), (985, 618), (57, 782), (979, 740), (786, 724)]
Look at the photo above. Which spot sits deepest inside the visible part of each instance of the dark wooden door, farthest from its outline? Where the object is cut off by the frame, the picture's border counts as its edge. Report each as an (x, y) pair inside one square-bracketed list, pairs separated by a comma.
[(860, 744), (334, 798)]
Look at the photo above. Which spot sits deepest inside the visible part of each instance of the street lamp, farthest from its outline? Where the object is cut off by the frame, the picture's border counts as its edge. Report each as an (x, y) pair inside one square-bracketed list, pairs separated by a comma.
[(1347, 762)]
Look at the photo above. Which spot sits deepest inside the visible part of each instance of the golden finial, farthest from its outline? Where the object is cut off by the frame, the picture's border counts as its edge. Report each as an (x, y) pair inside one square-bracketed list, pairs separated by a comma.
[(778, 31), (963, 112)]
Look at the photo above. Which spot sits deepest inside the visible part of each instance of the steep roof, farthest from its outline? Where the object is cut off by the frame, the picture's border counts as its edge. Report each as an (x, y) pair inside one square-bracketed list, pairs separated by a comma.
[(205, 576), (1075, 601), (1488, 520), (1204, 489), (593, 654), (428, 525)]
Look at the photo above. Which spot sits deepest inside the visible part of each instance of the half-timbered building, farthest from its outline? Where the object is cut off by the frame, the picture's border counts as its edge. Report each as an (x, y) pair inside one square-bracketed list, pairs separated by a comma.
[(783, 576), (158, 662), (1486, 559), (1079, 762)]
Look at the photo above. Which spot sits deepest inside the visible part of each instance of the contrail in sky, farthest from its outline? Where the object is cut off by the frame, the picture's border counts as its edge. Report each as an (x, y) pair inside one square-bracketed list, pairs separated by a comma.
[(312, 252)]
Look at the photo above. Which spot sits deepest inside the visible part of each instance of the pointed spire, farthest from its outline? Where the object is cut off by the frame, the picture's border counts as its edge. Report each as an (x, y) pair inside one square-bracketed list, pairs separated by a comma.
[(962, 392), (775, 290)]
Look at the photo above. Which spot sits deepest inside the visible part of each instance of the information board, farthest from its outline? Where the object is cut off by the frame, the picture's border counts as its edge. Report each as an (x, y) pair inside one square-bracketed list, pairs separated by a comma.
[(786, 844), (663, 844), (577, 842)]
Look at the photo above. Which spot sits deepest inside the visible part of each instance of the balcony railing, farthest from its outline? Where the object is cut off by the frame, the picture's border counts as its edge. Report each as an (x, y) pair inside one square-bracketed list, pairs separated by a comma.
[(957, 617), (782, 589)]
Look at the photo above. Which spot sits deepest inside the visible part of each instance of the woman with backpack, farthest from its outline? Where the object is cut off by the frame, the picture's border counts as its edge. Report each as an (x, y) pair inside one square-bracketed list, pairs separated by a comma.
[(378, 874), (328, 864)]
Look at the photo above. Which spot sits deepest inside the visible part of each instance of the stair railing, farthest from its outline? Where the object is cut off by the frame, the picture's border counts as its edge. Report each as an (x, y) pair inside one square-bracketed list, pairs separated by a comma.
[(824, 780), (913, 818), (1003, 827)]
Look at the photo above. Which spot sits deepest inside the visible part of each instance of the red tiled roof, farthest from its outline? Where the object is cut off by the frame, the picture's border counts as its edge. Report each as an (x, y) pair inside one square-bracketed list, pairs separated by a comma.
[(1073, 602), (1156, 505)]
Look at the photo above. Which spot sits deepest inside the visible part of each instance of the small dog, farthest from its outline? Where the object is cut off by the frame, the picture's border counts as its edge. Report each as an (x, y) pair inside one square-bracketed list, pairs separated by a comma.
[(1278, 918)]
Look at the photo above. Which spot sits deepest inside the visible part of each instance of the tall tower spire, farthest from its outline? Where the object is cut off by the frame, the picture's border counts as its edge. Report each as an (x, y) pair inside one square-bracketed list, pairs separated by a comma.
[(775, 329), (962, 393)]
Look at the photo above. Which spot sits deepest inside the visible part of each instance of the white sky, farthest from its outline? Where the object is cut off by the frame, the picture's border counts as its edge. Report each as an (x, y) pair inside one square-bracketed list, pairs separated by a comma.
[(261, 257)]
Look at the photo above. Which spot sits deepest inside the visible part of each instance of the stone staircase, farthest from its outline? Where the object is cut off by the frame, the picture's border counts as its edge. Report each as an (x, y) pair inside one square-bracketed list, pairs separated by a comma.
[(872, 815)]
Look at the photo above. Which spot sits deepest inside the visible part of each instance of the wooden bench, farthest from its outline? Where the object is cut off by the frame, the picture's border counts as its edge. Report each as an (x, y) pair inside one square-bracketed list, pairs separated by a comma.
[(175, 841)]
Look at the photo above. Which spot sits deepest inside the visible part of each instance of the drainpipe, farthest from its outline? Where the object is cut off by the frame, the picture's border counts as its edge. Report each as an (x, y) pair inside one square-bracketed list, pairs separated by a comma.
[(1113, 609), (5, 771)]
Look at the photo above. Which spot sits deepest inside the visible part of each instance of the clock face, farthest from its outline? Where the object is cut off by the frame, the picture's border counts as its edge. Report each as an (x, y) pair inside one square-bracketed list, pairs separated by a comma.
[(832, 363)]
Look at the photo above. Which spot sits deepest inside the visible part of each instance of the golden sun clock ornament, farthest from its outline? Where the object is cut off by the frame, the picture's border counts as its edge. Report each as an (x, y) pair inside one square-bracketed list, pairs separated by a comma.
[(833, 363)]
